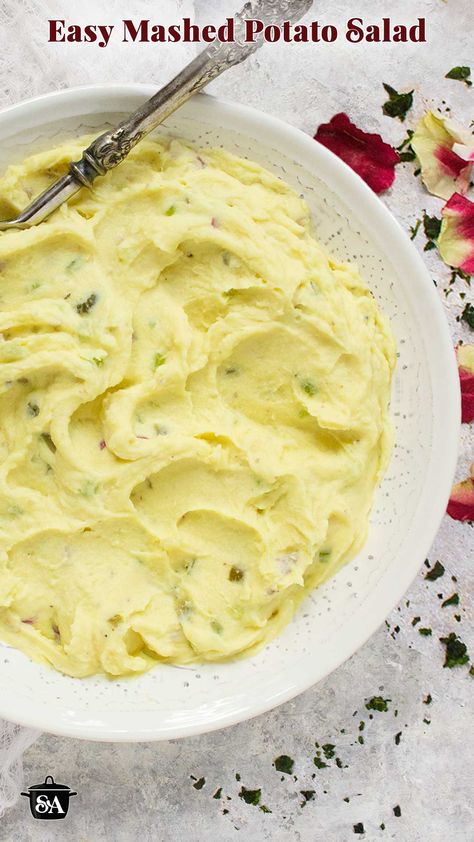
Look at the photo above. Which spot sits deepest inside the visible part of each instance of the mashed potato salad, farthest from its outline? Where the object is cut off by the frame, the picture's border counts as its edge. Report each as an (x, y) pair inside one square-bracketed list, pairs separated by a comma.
[(193, 411)]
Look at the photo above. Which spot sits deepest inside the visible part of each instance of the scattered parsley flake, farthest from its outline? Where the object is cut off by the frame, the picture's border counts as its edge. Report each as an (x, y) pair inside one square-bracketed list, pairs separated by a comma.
[(284, 764), (171, 210), (235, 574), (414, 229), (320, 764), (436, 572), (428, 699), (250, 796), (378, 703), (409, 153), (200, 783), (452, 600), (218, 793), (308, 387), (328, 750), (398, 738), (456, 651), (426, 632), (461, 73), (84, 307), (308, 795), (397, 811), (432, 228), (359, 828), (467, 315), (397, 104), (158, 360), (415, 620)]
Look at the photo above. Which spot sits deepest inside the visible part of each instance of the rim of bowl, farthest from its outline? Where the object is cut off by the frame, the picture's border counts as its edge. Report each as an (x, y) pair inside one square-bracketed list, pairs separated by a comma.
[(431, 506)]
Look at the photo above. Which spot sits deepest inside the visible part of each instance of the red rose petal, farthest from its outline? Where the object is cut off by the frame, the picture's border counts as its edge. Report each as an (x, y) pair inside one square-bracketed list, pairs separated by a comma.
[(451, 163), (465, 355), (443, 150), (467, 395), (367, 154), (456, 240), (461, 502)]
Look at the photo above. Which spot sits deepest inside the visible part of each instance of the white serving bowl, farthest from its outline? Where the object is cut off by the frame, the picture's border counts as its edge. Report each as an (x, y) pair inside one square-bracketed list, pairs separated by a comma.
[(337, 618)]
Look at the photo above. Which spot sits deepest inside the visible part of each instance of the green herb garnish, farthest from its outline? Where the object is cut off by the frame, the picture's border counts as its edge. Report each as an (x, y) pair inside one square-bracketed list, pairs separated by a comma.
[(84, 307), (320, 764), (199, 784), (397, 811), (158, 360), (467, 315), (397, 104), (359, 828), (235, 574), (409, 154), (432, 228), (414, 229), (171, 210), (218, 793), (328, 750), (285, 764), (308, 387), (435, 573), (250, 796), (308, 795), (378, 703), (452, 600), (425, 632), (456, 651), (461, 73), (428, 699)]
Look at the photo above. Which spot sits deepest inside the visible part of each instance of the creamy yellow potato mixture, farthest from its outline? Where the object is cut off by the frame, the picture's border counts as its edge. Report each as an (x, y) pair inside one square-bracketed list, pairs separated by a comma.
[(193, 411)]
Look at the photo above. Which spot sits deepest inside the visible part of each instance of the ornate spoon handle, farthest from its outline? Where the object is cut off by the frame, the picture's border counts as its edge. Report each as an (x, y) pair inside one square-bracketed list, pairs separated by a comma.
[(111, 147)]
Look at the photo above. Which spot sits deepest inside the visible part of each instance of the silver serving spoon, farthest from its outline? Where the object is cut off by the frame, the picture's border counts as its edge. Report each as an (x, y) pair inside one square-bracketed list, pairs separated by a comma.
[(110, 148)]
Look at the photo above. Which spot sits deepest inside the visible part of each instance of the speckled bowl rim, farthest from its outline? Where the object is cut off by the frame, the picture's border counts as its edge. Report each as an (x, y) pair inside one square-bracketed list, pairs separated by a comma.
[(386, 593)]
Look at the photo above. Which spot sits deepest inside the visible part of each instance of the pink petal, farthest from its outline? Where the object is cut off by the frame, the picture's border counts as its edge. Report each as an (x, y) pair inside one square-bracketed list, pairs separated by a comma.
[(456, 239), (465, 355), (437, 142), (367, 154), (461, 502)]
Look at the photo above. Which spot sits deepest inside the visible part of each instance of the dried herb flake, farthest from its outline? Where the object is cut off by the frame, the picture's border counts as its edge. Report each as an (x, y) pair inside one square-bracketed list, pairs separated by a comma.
[(436, 572), (456, 651), (461, 73), (378, 703), (397, 104), (285, 764)]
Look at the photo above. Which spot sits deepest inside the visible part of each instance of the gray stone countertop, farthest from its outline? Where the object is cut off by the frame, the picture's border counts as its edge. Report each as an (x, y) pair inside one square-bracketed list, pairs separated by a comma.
[(415, 756)]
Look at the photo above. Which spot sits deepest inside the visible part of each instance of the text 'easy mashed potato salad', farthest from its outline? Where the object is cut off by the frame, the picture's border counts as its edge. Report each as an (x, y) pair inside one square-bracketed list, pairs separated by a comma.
[(193, 412)]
